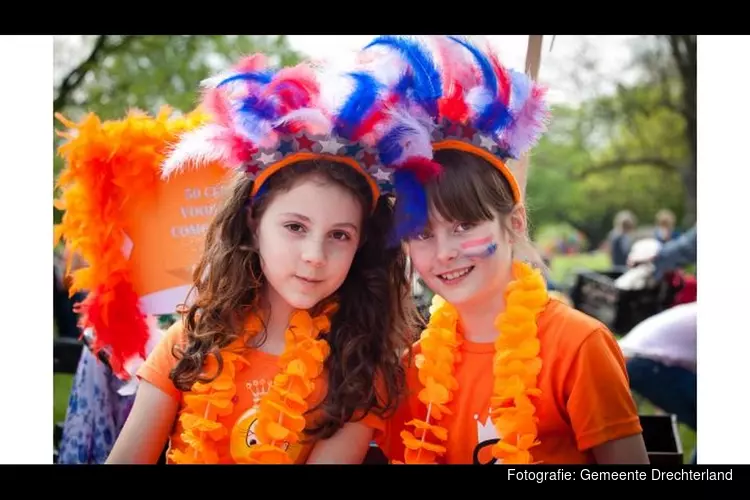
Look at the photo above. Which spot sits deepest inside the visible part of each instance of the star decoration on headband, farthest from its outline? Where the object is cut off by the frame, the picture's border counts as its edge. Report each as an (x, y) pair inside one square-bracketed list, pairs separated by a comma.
[(302, 142), (450, 130)]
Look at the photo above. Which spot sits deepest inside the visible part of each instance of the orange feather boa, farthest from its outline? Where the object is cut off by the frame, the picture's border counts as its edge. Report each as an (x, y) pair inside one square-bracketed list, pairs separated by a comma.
[(110, 167)]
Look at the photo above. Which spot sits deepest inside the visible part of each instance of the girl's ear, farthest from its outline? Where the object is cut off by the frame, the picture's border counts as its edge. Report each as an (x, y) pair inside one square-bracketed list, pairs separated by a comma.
[(518, 221), (251, 222)]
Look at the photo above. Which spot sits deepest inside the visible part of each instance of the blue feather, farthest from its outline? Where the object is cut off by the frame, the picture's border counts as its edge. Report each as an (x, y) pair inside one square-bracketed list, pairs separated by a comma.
[(411, 211), (365, 95), (297, 97), (488, 72), (263, 77), (493, 118), (389, 146), (250, 125), (262, 108), (428, 87), (404, 85)]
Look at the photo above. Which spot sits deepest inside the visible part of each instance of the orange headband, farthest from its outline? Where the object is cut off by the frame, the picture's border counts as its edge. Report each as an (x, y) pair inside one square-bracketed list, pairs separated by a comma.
[(304, 155), (438, 146), (483, 153)]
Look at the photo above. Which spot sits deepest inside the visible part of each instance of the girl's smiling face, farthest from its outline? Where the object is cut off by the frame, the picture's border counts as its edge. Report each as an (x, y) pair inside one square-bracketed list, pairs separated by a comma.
[(463, 261), (307, 238)]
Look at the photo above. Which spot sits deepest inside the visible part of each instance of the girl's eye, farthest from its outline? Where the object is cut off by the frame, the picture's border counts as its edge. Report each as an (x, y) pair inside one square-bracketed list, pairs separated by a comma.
[(465, 226), (341, 235), (294, 227), (422, 236)]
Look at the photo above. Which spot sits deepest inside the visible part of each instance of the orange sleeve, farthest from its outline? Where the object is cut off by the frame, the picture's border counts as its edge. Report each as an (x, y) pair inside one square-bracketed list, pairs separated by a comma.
[(599, 402), (387, 435), (155, 370), (372, 419), (389, 440)]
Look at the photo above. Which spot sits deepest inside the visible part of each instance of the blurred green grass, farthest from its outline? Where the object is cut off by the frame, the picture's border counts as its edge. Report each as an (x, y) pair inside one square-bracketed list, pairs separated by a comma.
[(63, 382), (563, 267)]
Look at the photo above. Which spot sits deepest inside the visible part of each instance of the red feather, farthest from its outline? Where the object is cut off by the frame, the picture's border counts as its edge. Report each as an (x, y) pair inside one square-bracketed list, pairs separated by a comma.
[(376, 116), (424, 168), (503, 78), (119, 325), (454, 107), (296, 87), (241, 149), (215, 104)]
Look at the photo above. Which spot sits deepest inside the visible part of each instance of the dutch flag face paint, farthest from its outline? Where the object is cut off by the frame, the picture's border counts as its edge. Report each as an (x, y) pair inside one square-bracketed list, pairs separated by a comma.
[(479, 248)]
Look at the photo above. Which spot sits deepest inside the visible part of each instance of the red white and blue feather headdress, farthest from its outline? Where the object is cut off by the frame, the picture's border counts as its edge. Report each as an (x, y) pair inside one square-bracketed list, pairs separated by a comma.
[(263, 119), (461, 96), (406, 98)]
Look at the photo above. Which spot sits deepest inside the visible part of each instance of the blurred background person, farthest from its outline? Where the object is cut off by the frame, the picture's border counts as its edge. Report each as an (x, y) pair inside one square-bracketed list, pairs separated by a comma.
[(665, 226), (622, 237), (661, 351)]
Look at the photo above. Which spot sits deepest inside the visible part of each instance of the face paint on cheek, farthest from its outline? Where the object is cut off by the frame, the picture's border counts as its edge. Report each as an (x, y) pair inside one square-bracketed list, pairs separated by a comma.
[(479, 249)]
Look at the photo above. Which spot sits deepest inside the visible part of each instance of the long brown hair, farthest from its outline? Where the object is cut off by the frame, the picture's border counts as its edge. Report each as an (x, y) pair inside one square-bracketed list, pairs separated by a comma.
[(368, 333)]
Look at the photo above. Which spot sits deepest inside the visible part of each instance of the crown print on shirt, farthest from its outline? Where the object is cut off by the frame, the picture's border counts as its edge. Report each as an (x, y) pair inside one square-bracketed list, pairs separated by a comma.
[(243, 432), (486, 437)]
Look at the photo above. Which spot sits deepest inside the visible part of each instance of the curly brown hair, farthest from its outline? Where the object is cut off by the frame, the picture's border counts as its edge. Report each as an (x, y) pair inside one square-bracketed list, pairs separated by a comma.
[(370, 331)]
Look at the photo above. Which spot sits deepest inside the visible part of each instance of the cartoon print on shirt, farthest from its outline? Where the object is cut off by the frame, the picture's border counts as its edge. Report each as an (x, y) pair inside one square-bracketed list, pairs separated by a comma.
[(243, 432)]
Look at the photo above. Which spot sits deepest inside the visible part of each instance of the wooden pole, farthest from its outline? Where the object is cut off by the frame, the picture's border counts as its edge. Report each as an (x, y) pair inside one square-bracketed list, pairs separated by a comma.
[(534, 56), (533, 62)]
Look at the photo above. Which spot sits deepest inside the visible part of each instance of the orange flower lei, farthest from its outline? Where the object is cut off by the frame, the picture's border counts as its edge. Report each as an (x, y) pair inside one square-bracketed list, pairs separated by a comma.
[(281, 413), (516, 365)]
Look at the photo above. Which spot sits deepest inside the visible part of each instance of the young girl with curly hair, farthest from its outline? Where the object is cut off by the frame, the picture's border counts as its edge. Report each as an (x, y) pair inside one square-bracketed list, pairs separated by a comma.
[(290, 350)]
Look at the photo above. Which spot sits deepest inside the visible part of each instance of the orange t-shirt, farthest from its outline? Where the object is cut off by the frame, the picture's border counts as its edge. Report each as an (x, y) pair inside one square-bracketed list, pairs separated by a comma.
[(585, 401), (252, 381)]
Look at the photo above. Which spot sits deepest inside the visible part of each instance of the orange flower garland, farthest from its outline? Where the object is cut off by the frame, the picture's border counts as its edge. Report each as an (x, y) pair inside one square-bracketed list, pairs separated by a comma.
[(111, 166), (516, 365), (281, 416)]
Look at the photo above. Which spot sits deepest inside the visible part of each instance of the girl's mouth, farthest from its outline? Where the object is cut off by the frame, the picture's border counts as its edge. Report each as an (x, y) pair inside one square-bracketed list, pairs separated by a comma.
[(456, 276)]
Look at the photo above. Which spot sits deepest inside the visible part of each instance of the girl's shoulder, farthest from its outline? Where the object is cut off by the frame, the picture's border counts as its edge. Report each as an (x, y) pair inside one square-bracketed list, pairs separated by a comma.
[(561, 328), (175, 334), (564, 329), (558, 310)]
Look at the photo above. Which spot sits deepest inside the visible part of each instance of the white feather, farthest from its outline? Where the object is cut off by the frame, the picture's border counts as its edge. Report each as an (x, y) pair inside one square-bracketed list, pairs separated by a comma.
[(478, 98), (456, 61), (194, 148), (418, 143), (314, 120), (520, 90), (388, 68), (214, 80), (335, 89), (251, 128)]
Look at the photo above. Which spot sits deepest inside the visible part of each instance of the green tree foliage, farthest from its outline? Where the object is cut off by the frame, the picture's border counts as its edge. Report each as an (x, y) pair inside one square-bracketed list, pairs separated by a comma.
[(582, 176), (119, 73), (631, 149), (146, 72)]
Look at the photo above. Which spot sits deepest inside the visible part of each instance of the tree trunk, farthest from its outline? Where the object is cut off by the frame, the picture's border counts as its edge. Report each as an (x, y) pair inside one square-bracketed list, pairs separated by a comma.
[(689, 178), (684, 53)]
